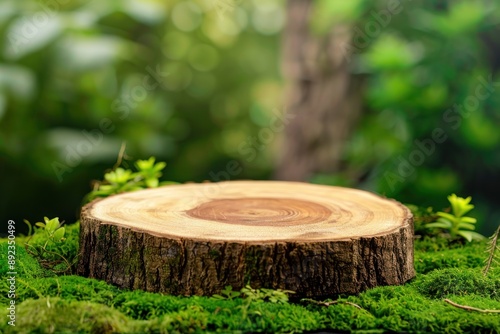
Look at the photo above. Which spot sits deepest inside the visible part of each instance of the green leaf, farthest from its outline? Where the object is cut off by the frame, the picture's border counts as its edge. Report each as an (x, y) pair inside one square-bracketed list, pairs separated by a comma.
[(42, 35), (447, 216), (59, 234), (18, 80), (105, 188), (460, 205), (438, 225), (468, 220), (119, 176), (451, 223), (160, 166), (40, 224), (390, 52), (52, 225), (466, 234), (469, 235), (147, 12), (87, 52), (218, 297), (145, 164), (462, 18), (152, 183), (466, 226)]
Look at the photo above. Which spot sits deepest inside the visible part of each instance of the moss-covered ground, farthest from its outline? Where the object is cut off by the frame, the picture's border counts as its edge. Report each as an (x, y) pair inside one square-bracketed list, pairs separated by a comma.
[(46, 303)]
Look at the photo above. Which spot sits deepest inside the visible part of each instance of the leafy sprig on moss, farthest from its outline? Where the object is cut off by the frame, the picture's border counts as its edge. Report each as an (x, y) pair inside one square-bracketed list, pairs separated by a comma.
[(255, 295), (45, 243), (493, 249), (121, 180), (456, 223)]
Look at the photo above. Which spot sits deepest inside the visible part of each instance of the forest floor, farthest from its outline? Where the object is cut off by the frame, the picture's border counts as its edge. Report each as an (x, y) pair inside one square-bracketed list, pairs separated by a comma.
[(50, 303)]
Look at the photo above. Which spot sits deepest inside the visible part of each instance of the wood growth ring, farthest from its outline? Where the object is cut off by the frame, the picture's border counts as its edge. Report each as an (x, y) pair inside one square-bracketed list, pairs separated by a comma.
[(261, 211)]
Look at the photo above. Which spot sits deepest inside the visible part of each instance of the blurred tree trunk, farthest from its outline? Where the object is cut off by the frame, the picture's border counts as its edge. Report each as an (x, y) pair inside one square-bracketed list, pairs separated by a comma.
[(323, 99)]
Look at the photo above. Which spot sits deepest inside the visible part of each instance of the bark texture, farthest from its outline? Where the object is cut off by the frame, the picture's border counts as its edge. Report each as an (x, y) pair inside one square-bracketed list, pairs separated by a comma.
[(161, 259), (323, 96)]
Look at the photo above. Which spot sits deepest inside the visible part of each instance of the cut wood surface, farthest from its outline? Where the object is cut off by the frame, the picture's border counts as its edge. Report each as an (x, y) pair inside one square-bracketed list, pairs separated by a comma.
[(198, 238)]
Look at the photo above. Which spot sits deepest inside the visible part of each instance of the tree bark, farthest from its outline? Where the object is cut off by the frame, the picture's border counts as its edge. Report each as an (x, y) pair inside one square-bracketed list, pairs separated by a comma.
[(196, 239), (323, 96)]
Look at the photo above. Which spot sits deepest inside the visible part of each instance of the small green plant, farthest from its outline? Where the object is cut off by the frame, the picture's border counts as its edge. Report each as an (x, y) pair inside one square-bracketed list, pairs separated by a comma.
[(255, 295), (493, 247), (270, 295), (49, 237), (120, 180), (227, 293), (456, 223)]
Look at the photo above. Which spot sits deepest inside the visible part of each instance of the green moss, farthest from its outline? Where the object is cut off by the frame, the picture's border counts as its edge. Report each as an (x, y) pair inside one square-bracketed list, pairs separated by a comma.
[(190, 320), (404, 308), (471, 255), (413, 307), (144, 305), (56, 315), (25, 265), (347, 318), (436, 243), (398, 309), (68, 288), (51, 259), (460, 282)]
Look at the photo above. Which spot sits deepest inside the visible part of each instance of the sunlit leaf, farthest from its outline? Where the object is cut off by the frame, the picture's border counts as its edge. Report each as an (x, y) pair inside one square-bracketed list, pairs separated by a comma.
[(17, 80), (29, 33), (470, 235), (52, 225), (468, 220), (439, 225), (447, 216), (148, 12), (391, 52), (466, 226), (83, 53), (59, 234)]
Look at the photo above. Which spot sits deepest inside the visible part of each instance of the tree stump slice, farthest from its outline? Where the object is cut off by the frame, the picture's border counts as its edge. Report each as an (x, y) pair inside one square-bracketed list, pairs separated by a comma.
[(195, 239)]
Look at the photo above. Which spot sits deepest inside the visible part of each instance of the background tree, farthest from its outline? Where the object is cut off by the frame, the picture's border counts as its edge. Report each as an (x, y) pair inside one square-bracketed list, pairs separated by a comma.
[(323, 95)]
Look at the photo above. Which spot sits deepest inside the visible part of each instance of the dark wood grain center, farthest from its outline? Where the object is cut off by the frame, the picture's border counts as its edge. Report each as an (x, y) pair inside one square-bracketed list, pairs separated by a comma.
[(261, 211)]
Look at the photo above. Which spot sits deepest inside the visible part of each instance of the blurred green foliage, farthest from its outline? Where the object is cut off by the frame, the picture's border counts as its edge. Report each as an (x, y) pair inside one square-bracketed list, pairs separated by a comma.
[(432, 100), (122, 180), (193, 81), (186, 81)]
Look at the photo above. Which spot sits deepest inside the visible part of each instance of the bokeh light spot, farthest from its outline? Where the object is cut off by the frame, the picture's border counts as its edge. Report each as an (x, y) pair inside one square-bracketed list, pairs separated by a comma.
[(175, 45), (268, 18), (186, 16)]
